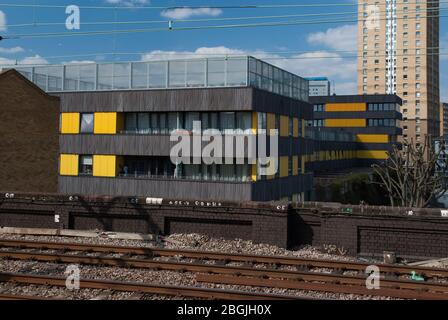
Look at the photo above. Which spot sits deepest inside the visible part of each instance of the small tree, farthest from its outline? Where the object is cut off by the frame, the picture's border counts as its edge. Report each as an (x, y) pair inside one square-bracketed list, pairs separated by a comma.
[(414, 175)]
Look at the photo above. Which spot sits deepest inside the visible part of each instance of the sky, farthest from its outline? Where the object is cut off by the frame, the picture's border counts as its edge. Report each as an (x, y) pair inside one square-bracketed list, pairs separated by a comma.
[(313, 49)]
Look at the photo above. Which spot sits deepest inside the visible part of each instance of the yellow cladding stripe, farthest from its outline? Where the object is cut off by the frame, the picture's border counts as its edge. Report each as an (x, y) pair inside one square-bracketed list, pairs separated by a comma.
[(295, 131), (70, 123), (283, 167), (104, 166), (270, 122), (254, 122), (303, 164), (295, 165), (68, 165), (254, 172), (347, 123), (371, 154), (303, 127), (372, 138), (345, 107), (105, 123), (284, 126)]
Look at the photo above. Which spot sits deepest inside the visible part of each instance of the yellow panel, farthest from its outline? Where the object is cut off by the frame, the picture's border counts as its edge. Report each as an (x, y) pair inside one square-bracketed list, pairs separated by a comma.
[(372, 138), (105, 123), (348, 123), (303, 164), (70, 123), (270, 122), (254, 122), (303, 127), (295, 130), (283, 167), (284, 126), (341, 107), (104, 166), (295, 165), (371, 154), (254, 172), (69, 164)]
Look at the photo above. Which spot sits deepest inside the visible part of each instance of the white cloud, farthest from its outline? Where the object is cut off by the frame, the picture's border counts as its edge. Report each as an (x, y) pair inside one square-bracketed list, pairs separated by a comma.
[(185, 13), (2, 21), (340, 38), (11, 50), (79, 62), (36, 59), (318, 63), (128, 3)]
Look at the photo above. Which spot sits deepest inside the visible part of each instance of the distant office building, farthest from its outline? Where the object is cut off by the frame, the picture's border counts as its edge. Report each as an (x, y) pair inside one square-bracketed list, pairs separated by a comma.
[(444, 119), (319, 86), (372, 120), (400, 55)]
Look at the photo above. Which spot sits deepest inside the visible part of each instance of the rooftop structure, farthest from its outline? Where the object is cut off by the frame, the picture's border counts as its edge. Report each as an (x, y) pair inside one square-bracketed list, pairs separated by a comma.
[(214, 72)]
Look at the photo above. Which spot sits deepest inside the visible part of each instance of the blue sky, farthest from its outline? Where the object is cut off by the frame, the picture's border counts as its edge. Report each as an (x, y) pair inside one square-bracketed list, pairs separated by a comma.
[(307, 44)]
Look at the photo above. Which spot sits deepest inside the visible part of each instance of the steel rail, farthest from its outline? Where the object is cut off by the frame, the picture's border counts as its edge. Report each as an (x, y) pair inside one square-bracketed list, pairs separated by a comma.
[(327, 287), (208, 255), (224, 270), (192, 292)]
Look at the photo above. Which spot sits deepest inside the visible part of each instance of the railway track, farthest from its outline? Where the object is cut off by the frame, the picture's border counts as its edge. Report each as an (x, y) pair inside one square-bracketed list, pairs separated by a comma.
[(244, 275), (176, 291)]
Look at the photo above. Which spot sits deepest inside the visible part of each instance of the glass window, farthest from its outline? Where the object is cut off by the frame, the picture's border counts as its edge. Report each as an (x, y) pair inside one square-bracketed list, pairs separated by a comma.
[(121, 75), (143, 123), (214, 120), (236, 71), (244, 121), (86, 165), (191, 117), (87, 77), (157, 74), (227, 122), (71, 78), (216, 73), (172, 121), (139, 75), (105, 76), (162, 123), (86, 123), (196, 73), (131, 122), (177, 73), (155, 123)]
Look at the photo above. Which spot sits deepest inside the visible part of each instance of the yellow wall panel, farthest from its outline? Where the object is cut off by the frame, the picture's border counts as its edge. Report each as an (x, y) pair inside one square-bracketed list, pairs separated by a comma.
[(270, 122), (372, 138), (295, 165), (105, 123), (69, 164), (284, 126), (70, 123), (371, 154), (283, 167), (104, 166), (347, 123), (254, 122), (295, 130), (344, 107), (303, 164)]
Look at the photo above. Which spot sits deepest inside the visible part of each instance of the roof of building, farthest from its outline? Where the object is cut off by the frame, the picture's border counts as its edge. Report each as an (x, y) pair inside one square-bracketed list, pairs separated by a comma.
[(367, 98), (12, 72), (317, 79)]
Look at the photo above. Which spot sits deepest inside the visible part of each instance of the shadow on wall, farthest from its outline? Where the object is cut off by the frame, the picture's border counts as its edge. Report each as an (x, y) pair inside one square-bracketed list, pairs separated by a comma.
[(351, 189)]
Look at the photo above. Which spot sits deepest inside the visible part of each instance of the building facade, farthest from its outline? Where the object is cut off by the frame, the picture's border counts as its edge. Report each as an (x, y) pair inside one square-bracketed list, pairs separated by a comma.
[(117, 119), (319, 86), (363, 127), (398, 54), (29, 133), (444, 120)]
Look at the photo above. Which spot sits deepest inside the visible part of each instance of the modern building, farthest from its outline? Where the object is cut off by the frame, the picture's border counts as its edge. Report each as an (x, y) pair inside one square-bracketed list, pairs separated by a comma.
[(116, 121), (29, 144), (363, 127), (398, 54), (444, 120), (319, 86)]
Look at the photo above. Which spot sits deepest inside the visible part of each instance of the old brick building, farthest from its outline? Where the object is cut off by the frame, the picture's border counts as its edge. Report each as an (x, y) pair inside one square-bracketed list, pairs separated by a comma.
[(28, 136)]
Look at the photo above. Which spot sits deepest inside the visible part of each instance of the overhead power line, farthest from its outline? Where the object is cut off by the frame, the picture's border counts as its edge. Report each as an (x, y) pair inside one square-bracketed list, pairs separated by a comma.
[(207, 27), (166, 21), (252, 6)]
